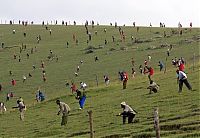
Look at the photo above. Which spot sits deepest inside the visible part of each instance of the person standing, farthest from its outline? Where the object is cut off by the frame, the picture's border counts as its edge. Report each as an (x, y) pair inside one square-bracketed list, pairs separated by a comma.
[(2, 108), (125, 79), (106, 80), (81, 96), (161, 65), (64, 109), (127, 112), (22, 108), (182, 78), (0, 87)]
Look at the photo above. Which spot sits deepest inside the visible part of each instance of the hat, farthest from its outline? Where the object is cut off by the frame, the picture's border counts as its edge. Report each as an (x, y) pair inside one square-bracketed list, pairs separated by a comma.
[(123, 103)]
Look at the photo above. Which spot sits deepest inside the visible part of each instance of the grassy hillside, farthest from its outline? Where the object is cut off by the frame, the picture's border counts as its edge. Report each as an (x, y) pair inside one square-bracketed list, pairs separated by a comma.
[(179, 113)]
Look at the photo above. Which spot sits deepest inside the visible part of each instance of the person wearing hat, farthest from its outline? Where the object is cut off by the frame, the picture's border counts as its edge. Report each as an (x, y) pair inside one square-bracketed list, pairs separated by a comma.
[(127, 112), (64, 109)]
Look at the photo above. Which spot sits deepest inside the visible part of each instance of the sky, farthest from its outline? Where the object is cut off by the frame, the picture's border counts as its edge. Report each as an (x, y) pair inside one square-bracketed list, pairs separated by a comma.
[(143, 12)]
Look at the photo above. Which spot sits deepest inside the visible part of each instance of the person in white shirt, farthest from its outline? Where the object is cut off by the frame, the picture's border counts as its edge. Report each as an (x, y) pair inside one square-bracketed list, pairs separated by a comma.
[(127, 112), (182, 78), (83, 85), (153, 87), (2, 107)]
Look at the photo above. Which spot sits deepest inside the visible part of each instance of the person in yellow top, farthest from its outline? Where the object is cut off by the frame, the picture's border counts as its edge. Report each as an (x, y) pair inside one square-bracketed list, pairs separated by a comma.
[(64, 109)]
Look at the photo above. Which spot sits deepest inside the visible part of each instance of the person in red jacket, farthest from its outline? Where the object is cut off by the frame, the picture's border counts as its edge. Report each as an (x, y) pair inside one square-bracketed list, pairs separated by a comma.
[(73, 88), (125, 79), (13, 82), (181, 67), (151, 72)]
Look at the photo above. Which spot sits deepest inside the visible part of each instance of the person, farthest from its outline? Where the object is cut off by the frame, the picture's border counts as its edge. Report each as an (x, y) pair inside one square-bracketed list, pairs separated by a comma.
[(77, 69), (2, 107), (145, 62), (83, 85), (149, 58), (182, 78), (96, 58), (29, 74), (10, 72), (161, 65), (133, 73), (81, 96), (13, 81), (168, 52), (106, 79), (64, 109), (127, 112), (153, 87), (33, 67), (24, 78), (50, 31), (0, 87), (41, 95), (120, 74), (27, 55), (151, 72), (125, 79), (21, 106), (181, 67), (141, 69), (7, 97), (173, 62), (73, 88)]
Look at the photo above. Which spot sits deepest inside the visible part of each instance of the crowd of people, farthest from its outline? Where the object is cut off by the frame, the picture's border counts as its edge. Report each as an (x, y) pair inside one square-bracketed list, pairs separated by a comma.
[(80, 92)]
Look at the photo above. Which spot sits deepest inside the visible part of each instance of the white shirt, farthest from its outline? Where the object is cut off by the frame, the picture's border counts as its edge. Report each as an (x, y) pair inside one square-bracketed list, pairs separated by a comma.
[(182, 75)]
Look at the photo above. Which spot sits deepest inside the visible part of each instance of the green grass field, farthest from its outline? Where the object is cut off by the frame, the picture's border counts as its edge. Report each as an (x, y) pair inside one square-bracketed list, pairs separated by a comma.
[(179, 113)]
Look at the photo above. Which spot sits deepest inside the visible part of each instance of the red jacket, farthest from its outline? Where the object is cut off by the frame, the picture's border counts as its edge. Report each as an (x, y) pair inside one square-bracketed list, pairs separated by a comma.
[(151, 71), (181, 67), (125, 76)]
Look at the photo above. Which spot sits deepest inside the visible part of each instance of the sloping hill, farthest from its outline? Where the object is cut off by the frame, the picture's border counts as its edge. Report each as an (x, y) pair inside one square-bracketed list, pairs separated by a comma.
[(179, 113)]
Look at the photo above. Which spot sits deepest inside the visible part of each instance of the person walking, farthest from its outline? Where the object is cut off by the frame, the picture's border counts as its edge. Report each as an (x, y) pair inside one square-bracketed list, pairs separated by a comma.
[(182, 78)]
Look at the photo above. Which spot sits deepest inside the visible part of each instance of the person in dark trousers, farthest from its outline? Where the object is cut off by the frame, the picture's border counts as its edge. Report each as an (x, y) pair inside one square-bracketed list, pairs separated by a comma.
[(182, 78), (161, 65), (81, 97), (127, 112)]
